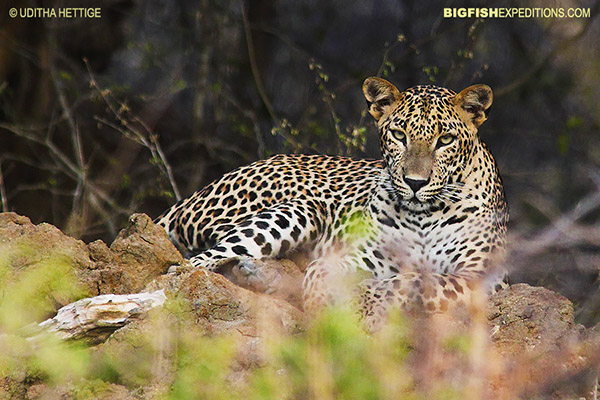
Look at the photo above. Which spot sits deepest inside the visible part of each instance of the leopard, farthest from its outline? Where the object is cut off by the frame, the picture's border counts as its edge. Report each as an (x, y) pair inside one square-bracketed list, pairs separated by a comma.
[(425, 224)]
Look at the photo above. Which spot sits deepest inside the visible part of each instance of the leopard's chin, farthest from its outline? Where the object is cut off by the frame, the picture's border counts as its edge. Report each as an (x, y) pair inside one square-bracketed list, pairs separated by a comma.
[(415, 203)]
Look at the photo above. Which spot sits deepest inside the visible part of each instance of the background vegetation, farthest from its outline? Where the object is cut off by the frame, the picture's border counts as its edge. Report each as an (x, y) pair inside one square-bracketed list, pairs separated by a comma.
[(100, 118)]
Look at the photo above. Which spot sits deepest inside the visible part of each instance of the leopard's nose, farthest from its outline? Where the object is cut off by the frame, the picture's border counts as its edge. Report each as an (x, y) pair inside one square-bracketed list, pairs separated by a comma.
[(415, 184)]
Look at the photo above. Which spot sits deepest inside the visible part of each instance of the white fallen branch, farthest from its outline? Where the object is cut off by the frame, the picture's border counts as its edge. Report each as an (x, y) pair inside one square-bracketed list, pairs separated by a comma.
[(95, 318)]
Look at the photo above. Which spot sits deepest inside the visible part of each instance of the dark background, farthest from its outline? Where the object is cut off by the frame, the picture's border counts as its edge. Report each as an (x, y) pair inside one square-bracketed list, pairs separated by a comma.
[(100, 118)]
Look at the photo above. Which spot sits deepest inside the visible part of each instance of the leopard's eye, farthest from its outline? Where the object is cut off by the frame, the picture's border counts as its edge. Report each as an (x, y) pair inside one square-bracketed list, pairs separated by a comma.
[(399, 135), (445, 140)]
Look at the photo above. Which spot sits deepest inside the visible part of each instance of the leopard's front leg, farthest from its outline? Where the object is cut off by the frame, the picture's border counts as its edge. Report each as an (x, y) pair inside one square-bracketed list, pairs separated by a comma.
[(420, 292), (271, 233)]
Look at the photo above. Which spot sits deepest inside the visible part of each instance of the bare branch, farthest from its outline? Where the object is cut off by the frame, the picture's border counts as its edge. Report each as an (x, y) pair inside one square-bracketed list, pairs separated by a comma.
[(148, 139), (544, 61), (254, 67), (3, 198), (564, 232), (251, 116), (66, 166), (97, 317), (76, 141)]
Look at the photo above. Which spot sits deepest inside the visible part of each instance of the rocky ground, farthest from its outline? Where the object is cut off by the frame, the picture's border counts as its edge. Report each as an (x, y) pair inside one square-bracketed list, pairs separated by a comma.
[(530, 344)]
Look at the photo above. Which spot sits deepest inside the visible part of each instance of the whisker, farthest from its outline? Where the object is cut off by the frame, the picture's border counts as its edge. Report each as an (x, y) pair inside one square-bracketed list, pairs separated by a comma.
[(446, 197), (450, 196), (387, 186)]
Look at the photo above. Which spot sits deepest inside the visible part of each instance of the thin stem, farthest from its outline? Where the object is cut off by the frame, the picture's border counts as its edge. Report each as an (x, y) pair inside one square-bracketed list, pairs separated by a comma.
[(148, 139), (3, 198)]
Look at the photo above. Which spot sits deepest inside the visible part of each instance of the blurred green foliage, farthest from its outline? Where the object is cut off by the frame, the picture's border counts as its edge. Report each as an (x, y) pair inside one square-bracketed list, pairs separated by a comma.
[(167, 356)]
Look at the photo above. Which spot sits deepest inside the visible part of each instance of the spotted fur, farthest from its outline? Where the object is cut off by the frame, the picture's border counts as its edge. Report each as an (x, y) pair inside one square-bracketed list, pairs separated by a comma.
[(428, 221)]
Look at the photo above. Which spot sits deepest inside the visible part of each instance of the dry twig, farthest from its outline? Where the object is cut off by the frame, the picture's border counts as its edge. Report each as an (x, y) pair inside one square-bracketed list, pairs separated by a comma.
[(147, 138), (93, 318)]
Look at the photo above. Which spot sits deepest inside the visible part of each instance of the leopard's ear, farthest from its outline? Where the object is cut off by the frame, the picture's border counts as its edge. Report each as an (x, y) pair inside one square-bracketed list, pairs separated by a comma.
[(473, 104), (381, 96)]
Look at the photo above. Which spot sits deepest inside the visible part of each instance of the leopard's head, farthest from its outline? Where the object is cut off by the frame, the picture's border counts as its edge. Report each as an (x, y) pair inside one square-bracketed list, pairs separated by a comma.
[(427, 135)]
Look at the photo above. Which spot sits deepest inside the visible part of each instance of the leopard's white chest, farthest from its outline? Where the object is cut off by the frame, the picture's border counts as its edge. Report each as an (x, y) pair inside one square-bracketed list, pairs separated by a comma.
[(428, 241), (423, 247)]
